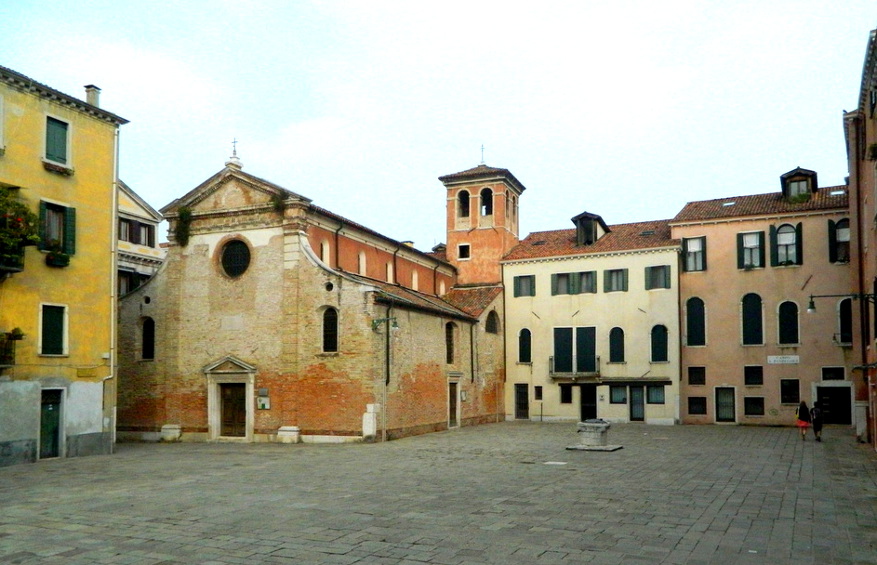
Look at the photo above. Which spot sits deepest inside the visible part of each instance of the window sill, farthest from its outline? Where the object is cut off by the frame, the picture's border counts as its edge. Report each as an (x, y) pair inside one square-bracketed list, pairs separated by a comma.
[(146, 360), (616, 362), (788, 345), (752, 345), (328, 354), (698, 345), (53, 355), (58, 168), (530, 363), (659, 362)]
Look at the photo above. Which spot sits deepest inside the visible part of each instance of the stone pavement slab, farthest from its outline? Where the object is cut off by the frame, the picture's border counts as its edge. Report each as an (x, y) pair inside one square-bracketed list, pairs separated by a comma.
[(499, 493)]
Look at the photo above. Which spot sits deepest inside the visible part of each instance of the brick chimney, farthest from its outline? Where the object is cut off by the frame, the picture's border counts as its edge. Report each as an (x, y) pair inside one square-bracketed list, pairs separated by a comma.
[(92, 95)]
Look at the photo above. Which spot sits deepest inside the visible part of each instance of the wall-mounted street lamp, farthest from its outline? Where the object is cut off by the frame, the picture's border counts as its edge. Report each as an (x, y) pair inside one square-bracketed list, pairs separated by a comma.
[(376, 323), (811, 306)]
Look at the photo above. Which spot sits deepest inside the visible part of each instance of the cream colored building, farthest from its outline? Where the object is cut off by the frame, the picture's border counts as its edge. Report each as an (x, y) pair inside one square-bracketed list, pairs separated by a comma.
[(592, 325), (751, 351), (139, 253)]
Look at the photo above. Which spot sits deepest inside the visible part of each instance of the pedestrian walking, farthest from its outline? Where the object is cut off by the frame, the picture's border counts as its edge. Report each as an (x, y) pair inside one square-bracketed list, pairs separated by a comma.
[(803, 415), (816, 420)]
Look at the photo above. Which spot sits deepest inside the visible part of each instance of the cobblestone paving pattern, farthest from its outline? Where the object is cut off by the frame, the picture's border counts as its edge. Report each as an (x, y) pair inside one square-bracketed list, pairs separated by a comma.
[(501, 493)]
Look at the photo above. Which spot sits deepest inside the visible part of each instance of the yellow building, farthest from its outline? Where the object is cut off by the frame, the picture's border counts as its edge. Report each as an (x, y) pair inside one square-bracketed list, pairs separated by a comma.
[(58, 157)]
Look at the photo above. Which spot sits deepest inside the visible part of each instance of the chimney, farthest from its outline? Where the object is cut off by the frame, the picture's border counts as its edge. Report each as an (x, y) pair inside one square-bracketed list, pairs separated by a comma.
[(92, 95), (408, 243)]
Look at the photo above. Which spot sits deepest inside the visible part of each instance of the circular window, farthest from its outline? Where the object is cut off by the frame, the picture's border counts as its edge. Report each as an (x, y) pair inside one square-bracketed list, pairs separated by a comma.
[(235, 258), (329, 286)]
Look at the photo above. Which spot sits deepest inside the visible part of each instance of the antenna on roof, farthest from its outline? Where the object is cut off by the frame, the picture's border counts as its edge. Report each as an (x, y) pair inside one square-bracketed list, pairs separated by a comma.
[(482, 153)]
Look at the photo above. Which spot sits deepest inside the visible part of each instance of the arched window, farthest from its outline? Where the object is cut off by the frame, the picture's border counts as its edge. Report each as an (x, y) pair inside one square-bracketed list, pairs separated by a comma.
[(486, 202), (616, 345), (450, 341), (362, 263), (845, 321), (659, 344), (786, 245), (330, 330), (695, 321), (492, 323), (524, 338), (235, 258), (463, 203), (788, 323), (753, 330), (324, 252), (147, 342)]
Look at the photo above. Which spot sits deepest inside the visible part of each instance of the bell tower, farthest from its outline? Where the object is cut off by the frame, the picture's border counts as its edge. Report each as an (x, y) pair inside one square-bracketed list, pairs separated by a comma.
[(482, 221)]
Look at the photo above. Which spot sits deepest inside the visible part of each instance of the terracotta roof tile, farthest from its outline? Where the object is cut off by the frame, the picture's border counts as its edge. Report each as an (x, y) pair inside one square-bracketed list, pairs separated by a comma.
[(483, 171), (405, 297), (826, 198), (622, 237), (473, 300)]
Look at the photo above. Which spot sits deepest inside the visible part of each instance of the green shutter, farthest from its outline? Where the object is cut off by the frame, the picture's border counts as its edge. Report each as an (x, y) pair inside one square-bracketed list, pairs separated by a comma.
[(56, 140), (667, 276), (592, 282), (44, 240), (554, 284), (70, 231), (832, 241), (799, 244), (740, 263), (648, 278), (774, 252), (517, 286), (624, 280), (606, 286), (684, 255), (703, 251), (575, 283), (761, 262), (52, 342)]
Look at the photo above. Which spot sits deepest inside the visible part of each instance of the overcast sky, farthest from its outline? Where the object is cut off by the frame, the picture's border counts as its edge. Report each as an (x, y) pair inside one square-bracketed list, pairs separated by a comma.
[(624, 109)]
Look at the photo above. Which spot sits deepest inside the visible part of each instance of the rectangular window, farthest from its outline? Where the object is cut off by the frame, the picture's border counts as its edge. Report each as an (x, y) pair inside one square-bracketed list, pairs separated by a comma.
[(618, 394), (790, 391), (615, 280), (588, 282), (750, 250), (53, 322), (463, 251), (753, 406), (694, 253), (697, 405), (147, 235), (573, 283), (125, 229), (566, 394), (537, 391), (753, 375), (525, 285), (56, 140), (697, 375), (658, 277), (57, 228), (832, 373), (655, 394), (560, 284)]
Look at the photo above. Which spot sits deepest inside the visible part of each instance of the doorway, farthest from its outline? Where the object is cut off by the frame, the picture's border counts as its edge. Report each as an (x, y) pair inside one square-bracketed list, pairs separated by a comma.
[(233, 410), (637, 404), (522, 402), (50, 424), (836, 404), (725, 408), (588, 402), (453, 421)]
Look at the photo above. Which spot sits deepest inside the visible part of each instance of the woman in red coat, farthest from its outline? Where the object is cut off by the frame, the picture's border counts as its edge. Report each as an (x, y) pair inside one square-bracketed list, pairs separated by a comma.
[(803, 415)]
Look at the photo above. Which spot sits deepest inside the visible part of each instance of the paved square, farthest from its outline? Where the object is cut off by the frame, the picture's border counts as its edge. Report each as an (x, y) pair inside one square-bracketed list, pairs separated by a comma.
[(500, 493)]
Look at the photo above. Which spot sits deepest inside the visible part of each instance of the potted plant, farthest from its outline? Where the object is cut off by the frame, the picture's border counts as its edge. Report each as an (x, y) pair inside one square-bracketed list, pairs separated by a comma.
[(19, 227), (56, 257), (15, 335)]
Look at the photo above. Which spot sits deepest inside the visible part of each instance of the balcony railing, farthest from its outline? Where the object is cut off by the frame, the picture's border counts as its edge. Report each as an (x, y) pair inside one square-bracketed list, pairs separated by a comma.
[(574, 368)]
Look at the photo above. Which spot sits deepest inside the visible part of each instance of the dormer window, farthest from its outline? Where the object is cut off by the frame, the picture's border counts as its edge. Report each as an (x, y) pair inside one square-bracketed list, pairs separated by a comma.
[(798, 185), (798, 188)]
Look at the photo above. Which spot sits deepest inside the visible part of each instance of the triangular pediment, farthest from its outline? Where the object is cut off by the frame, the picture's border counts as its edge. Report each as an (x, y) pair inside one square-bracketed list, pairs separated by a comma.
[(229, 364), (231, 189)]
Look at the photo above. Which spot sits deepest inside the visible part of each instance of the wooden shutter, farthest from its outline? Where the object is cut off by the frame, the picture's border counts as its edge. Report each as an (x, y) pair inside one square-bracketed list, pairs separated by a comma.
[(666, 269), (684, 255), (517, 285), (44, 240), (832, 241), (799, 244), (52, 342), (740, 258), (703, 251), (575, 283), (624, 280), (649, 278), (761, 262), (70, 231), (606, 277), (56, 140), (554, 284), (774, 252)]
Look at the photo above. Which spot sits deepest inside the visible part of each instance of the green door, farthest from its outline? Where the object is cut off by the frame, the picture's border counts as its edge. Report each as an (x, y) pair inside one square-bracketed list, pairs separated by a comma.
[(50, 424)]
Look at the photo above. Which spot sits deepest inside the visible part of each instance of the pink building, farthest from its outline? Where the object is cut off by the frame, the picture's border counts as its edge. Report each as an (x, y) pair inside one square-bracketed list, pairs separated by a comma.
[(751, 351)]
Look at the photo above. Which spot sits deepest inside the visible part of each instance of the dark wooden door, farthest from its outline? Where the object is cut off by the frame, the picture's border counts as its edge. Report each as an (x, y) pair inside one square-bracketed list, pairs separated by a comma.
[(452, 405), (637, 404), (50, 424), (588, 402), (725, 409), (563, 350), (586, 350), (522, 402), (234, 409), (835, 403)]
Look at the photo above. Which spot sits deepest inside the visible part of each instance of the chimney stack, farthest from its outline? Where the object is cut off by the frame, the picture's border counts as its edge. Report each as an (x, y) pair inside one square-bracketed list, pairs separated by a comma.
[(92, 95)]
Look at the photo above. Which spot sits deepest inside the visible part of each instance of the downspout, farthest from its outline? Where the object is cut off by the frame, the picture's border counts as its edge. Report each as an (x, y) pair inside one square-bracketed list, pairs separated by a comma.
[(337, 249), (500, 391), (113, 286), (395, 272), (472, 351), (386, 373), (435, 280)]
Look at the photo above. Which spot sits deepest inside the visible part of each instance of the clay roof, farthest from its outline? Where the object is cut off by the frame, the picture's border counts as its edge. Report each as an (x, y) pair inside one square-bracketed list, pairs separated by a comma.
[(17, 79), (826, 198), (483, 171), (622, 237), (407, 298), (473, 300)]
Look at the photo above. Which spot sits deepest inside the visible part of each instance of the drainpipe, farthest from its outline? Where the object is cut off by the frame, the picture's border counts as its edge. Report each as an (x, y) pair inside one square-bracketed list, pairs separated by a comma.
[(472, 350), (395, 272), (113, 286), (337, 249), (435, 280)]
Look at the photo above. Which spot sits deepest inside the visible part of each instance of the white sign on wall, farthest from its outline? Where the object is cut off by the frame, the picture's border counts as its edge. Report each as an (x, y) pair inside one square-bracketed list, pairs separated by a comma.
[(783, 359)]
